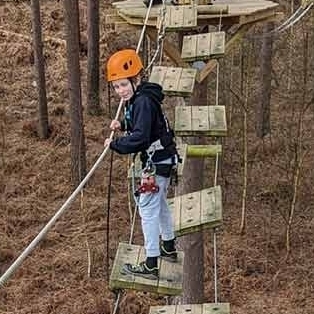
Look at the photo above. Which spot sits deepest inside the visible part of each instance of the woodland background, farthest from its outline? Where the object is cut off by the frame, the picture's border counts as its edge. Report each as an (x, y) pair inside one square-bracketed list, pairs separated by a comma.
[(258, 272)]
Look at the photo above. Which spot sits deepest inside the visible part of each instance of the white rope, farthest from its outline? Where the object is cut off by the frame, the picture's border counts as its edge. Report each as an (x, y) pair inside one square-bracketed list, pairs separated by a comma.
[(215, 267), (294, 18), (216, 178), (160, 36), (43, 232), (66, 204)]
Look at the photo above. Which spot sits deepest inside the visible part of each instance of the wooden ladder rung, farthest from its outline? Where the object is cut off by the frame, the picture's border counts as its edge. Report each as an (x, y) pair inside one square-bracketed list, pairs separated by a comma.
[(203, 46), (174, 81), (180, 17), (170, 274), (197, 211), (206, 308), (200, 120), (203, 150)]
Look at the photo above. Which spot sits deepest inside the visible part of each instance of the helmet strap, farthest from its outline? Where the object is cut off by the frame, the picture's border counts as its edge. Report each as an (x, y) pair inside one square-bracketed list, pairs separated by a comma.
[(132, 84)]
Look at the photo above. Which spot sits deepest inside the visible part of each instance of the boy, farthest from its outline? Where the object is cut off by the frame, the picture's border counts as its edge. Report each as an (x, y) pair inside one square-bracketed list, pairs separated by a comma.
[(148, 133)]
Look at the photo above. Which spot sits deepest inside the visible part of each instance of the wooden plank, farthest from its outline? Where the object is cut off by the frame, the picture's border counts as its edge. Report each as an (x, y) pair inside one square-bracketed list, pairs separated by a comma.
[(113, 18), (174, 18), (190, 211), (206, 308), (203, 46), (190, 16), (174, 81), (196, 211), (258, 15), (163, 309), (200, 118), (217, 119), (171, 276), (216, 308), (217, 45), (120, 27), (183, 121), (230, 11), (175, 208), (125, 254), (180, 17), (189, 47), (186, 81), (211, 207), (158, 74), (190, 308), (171, 81), (182, 151)]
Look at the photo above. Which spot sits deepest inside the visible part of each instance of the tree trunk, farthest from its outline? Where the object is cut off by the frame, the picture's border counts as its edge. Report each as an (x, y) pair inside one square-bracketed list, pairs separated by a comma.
[(93, 106), (192, 244), (78, 156), (40, 71), (263, 105)]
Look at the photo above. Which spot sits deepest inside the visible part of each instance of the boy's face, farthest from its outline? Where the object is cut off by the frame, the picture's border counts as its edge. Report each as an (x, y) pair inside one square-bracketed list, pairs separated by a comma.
[(123, 88)]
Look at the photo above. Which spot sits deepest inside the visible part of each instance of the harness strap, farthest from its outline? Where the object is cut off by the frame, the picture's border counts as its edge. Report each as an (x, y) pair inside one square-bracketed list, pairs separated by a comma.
[(154, 147)]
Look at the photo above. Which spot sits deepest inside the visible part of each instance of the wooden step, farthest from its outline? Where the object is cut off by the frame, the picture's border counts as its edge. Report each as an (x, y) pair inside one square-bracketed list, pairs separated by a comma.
[(197, 211), (203, 46), (180, 17), (170, 274), (174, 81), (200, 120), (206, 308)]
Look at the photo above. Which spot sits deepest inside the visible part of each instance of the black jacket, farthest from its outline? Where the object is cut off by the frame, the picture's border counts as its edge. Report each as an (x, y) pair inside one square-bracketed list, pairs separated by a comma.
[(145, 125)]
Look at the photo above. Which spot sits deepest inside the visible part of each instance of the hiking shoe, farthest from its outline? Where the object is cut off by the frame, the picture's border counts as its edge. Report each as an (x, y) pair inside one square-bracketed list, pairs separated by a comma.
[(170, 256), (141, 270)]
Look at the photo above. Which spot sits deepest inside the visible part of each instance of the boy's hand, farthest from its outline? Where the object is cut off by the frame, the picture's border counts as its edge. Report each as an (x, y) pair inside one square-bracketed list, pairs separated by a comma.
[(115, 125), (107, 142)]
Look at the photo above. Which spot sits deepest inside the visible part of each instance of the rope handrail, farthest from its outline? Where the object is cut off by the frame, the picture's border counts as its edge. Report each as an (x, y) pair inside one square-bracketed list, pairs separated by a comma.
[(4, 278), (293, 19)]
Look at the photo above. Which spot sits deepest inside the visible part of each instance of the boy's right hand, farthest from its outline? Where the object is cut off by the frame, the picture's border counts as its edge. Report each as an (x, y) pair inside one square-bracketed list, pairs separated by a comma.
[(115, 125)]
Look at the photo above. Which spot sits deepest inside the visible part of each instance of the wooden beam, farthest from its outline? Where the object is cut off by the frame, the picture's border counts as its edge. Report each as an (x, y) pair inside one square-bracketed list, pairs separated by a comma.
[(169, 48), (256, 16)]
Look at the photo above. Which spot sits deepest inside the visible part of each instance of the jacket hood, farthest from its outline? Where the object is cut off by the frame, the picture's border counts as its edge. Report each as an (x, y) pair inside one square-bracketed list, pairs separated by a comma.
[(151, 90)]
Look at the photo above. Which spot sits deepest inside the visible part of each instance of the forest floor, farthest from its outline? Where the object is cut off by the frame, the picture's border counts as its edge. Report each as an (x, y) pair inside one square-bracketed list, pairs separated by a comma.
[(254, 274)]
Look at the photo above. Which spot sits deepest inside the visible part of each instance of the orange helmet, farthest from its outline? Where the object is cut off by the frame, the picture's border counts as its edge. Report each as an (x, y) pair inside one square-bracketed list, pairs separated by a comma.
[(123, 64)]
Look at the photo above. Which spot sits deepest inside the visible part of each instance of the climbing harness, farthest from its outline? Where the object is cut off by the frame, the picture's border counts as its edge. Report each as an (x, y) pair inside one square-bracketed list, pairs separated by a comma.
[(148, 181)]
